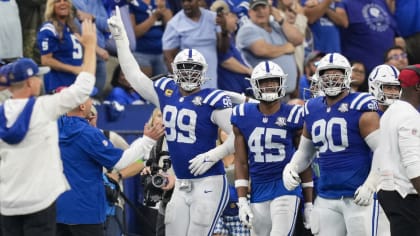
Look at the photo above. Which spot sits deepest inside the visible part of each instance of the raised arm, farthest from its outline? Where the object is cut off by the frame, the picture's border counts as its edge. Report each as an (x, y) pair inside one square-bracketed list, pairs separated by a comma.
[(79, 91), (138, 80)]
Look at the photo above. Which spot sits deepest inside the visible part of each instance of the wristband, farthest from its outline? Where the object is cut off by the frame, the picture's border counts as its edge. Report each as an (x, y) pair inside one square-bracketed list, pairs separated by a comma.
[(241, 183), (308, 184)]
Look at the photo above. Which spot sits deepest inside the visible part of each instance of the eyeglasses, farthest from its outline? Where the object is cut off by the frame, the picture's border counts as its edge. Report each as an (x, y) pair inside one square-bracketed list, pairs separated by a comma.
[(398, 56)]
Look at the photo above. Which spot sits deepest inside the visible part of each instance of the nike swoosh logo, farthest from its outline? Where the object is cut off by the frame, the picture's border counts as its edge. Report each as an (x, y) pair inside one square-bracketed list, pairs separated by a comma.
[(207, 191)]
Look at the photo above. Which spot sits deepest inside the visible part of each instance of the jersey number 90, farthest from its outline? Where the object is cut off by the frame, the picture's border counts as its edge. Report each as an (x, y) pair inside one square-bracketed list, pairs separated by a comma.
[(322, 131)]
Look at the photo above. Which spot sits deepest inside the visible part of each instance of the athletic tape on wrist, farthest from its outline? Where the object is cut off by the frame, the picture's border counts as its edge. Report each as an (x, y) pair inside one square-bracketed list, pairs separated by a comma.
[(308, 184), (241, 183)]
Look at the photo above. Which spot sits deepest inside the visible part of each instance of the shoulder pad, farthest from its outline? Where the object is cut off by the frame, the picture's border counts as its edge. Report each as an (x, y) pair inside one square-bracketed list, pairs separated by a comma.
[(364, 102), (218, 99), (295, 114), (163, 83), (49, 27)]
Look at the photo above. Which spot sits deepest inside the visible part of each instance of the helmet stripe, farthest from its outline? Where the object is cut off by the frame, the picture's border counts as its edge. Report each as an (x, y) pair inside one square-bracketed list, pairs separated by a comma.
[(331, 57), (189, 53), (376, 73), (267, 67), (395, 71)]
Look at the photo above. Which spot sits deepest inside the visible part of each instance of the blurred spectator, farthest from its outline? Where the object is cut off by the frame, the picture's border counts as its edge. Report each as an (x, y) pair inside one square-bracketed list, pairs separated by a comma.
[(368, 21), (195, 27), (324, 18), (232, 69), (85, 151), (174, 5), (358, 76), (10, 30), (110, 6), (31, 17), (305, 80), (122, 92), (4, 84), (59, 46), (396, 56), (294, 14), (407, 15), (149, 19), (261, 39), (95, 9)]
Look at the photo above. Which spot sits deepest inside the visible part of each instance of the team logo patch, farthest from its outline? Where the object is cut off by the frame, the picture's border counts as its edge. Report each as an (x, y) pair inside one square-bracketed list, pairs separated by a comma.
[(344, 107), (105, 142), (169, 92), (265, 120), (281, 121), (198, 101)]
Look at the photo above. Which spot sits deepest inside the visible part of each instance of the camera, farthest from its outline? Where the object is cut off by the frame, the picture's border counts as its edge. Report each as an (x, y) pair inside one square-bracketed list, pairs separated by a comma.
[(154, 182)]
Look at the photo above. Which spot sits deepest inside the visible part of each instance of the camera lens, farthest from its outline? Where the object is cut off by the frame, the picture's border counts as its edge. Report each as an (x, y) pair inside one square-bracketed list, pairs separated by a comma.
[(159, 181)]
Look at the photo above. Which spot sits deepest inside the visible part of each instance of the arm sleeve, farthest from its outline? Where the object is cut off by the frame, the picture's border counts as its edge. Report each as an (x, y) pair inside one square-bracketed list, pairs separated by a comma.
[(219, 117), (372, 140), (304, 156), (140, 82), (137, 150), (409, 143)]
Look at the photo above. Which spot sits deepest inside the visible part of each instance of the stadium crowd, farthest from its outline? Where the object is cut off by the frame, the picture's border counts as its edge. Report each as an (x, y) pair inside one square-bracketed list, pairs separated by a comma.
[(280, 117)]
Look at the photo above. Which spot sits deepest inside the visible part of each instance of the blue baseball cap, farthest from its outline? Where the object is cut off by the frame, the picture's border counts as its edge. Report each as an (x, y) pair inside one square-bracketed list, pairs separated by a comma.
[(4, 71), (93, 93), (23, 69)]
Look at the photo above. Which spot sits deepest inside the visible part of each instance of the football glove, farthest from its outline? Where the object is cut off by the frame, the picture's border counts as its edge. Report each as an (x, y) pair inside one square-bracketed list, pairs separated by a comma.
[(307, 215), (116, 27), (245, 212), (364, 193), (203, 162), (291, 178)]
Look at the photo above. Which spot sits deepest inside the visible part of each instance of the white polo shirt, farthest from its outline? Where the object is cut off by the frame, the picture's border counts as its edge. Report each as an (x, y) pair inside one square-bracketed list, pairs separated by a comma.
[(398, 153)]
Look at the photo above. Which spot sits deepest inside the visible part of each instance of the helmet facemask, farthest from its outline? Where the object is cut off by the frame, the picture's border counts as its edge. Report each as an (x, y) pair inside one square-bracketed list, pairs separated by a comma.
[(387, 96), (333, 84), (188, 75), (269, 92)]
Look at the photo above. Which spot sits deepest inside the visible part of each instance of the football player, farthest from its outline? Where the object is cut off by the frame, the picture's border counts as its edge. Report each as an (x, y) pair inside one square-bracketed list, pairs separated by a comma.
[(191, 116), (342, 127), (385, 87), (264, 144)]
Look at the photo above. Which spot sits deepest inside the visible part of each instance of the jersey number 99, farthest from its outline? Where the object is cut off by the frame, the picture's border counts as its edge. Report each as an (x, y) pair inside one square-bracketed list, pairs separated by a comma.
[(180, 125)]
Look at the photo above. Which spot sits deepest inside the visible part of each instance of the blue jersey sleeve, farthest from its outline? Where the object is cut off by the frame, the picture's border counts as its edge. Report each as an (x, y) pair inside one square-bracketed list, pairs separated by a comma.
[(364, 102), (47, 39), (218, 100), (100, 148)]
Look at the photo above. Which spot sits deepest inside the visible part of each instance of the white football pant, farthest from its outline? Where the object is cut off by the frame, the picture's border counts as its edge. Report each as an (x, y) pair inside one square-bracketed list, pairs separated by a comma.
[(276, 217), (195, 213)]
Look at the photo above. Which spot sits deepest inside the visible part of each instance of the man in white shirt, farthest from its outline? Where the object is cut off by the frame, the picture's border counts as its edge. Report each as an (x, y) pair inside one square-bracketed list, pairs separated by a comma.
[(399, 156), (31, 171)]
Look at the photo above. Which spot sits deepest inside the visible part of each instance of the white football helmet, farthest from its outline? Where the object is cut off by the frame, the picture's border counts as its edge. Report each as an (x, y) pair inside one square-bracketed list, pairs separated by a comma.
[(384, 75), (189, 68), (313, 89), (268, 70), (333, 84)]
